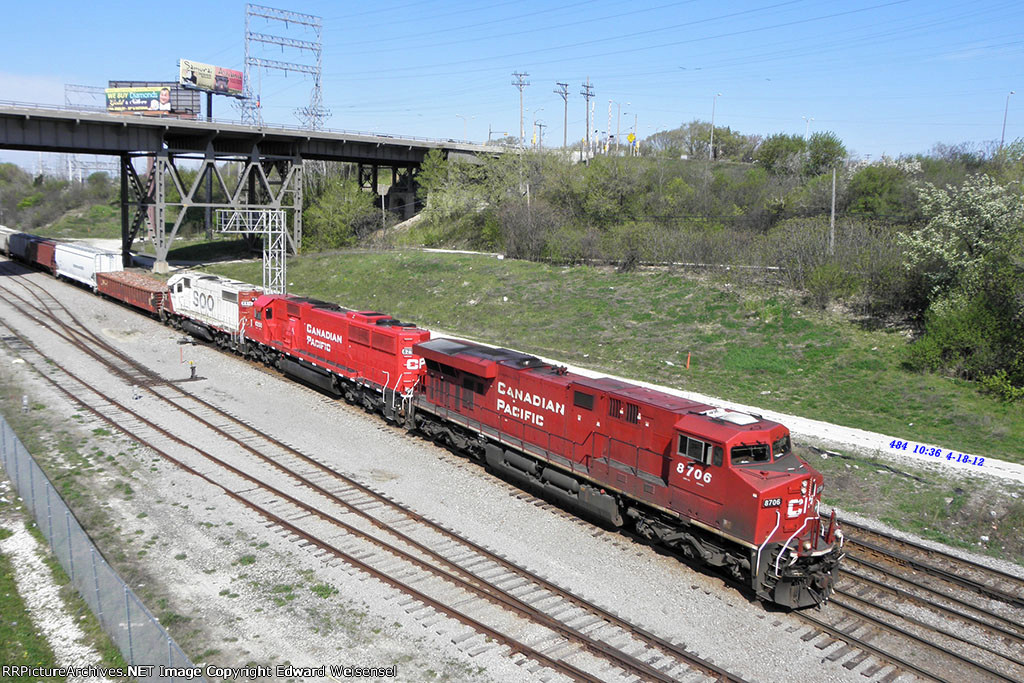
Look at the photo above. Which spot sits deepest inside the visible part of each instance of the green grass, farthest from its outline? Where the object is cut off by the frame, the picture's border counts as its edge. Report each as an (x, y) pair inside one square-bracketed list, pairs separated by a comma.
[(20, 643), (967, 512), (97, 221), (743, 340)]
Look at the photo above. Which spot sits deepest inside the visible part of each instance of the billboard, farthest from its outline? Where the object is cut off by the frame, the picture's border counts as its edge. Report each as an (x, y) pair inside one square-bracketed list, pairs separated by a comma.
[(153, 99), (184, 103), (210, 78)]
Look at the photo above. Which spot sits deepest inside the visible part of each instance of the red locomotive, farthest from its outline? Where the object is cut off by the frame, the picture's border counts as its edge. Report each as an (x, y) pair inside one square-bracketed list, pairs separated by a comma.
[(365, 356), (720, 486)]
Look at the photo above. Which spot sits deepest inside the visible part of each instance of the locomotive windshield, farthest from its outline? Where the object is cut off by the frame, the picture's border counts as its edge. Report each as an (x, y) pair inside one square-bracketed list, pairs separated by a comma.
[(781, 447), (750, 453)]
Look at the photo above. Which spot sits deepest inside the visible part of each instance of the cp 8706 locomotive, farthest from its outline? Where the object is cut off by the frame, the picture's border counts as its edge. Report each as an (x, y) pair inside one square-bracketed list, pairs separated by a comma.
[(722, 487)]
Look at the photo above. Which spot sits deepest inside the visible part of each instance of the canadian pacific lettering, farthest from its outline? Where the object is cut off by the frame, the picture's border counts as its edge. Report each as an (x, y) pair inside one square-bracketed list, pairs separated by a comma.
[(525, 414)]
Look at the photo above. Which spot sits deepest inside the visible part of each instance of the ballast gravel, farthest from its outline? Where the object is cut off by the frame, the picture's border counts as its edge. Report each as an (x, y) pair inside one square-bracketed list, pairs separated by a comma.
[(256, 596)]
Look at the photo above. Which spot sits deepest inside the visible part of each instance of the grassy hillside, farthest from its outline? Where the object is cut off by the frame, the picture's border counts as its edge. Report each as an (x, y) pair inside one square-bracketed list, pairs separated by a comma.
[(754, 344)]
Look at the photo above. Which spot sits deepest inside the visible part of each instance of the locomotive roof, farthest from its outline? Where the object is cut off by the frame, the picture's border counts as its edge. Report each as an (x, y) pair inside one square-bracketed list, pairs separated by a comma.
[(453, 347), (224, 282), (639, 394)]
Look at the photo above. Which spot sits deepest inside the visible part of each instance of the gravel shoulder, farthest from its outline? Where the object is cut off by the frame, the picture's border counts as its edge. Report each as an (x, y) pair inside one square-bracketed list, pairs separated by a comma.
[(41, 595)]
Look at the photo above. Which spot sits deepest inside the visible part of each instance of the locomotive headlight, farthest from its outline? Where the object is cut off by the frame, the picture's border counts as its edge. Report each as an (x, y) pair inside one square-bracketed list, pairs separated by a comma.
[(807, 546), (803, 486)]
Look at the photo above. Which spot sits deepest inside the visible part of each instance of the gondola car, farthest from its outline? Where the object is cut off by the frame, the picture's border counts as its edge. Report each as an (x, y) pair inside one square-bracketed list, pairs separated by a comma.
[(138, 290)]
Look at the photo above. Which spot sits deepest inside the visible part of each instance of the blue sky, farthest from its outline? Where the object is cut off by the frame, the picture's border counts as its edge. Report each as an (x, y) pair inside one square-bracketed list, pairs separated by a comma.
[(887, 76)]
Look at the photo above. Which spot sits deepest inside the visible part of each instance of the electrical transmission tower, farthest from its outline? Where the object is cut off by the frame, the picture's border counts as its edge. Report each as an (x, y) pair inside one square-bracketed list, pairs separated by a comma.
[(313, 115), (85, 97), (521, 83), (587, 91), (563, 90)]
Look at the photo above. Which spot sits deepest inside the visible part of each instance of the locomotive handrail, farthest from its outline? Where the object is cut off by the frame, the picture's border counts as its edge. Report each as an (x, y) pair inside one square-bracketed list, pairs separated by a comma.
[(778, 522), (788, 541)]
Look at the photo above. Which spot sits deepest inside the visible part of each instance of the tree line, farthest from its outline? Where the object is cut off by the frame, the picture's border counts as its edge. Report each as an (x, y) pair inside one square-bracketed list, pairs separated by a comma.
[(934, 242)]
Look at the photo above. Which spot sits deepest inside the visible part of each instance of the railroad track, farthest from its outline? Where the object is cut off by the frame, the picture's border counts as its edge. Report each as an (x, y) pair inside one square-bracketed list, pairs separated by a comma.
[(937, 615), (442, 573), (930, 621)]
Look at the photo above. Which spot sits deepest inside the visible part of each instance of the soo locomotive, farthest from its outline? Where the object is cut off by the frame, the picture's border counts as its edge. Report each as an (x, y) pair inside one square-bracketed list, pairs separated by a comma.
[(722, 487)]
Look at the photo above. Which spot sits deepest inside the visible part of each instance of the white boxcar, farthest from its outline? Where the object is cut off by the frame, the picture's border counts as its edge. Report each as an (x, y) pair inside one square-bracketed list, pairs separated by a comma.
[(80, 262), (208, 299), (5, 234)]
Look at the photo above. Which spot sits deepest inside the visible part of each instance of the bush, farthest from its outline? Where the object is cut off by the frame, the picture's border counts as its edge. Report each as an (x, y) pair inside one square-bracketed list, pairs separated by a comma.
[(828, 282), (1000, 386), (962, 338)]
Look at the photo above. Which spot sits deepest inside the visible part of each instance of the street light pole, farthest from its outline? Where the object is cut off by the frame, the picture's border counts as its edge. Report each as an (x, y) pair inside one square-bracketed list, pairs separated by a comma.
[(465, 125), (807, 126), (1002, 138), (711, 147)]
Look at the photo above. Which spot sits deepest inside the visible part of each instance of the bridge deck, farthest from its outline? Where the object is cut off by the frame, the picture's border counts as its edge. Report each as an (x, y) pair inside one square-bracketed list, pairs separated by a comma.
[(55, 130)]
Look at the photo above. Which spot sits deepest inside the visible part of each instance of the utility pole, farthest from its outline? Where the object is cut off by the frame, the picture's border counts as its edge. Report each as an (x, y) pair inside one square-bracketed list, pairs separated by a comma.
[(1006, 110), (563, 90), (521, 83), (832, 220), (711, 146), (608, 134), (588, 92), (540, 133)]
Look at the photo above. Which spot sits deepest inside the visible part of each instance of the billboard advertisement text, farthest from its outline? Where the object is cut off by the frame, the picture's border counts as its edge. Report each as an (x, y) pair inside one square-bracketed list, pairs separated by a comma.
[(211, 78), (146, 99)]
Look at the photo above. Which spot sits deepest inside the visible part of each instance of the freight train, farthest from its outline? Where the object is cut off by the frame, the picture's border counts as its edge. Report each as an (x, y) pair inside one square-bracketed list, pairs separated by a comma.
[(719, 486)]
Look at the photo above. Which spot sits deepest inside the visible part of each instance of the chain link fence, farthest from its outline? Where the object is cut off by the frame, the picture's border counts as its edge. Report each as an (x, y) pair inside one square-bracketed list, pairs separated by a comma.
[(137, 633)]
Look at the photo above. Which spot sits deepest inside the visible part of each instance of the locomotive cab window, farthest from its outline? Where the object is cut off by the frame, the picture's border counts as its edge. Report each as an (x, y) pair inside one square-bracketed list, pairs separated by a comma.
[(750, 453), (259, 314), (781, 447), (270, 313), (695, 449)]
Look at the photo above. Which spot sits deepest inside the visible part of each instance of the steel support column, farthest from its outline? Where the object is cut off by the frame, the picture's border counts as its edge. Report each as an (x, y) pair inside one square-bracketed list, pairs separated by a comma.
[(264, 183)]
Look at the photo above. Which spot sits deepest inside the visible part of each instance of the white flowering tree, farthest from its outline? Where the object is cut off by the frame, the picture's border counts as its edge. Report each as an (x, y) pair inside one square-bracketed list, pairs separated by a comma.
[(964, 225)]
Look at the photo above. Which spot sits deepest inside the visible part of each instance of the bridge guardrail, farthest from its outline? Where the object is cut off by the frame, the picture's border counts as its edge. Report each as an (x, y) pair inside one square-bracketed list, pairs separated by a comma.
[(272, 126)]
